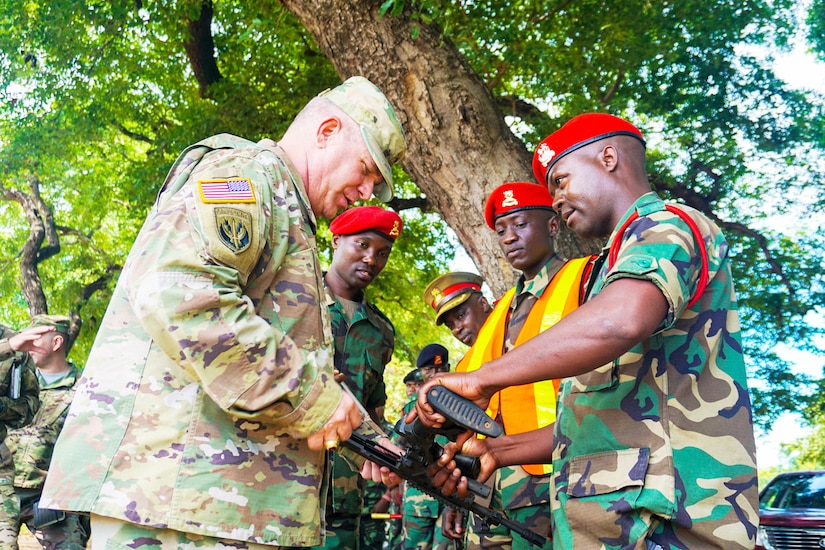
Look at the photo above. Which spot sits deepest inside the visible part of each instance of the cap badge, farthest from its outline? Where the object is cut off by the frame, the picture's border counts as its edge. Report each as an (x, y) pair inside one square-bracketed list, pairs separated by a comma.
[(394, 232), (545, 154), (437, 296), (437, 360), (509, 199)]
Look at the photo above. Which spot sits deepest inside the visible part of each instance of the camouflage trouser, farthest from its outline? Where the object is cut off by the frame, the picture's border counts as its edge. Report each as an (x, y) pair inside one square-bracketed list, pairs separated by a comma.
[(344, 501), (536, 518), (9, 511), (422, 522), (70, 533), (425, 534), (114, 534), (342, 532), (372, 533), (9, 503), (513, 490), (395, 535)]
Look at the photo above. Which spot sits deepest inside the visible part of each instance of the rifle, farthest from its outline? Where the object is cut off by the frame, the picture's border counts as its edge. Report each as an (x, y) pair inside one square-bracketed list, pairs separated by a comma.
[(422, 450)]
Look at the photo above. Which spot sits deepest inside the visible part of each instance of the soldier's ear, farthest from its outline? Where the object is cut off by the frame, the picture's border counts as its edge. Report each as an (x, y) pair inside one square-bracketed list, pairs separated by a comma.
[(58, 340)]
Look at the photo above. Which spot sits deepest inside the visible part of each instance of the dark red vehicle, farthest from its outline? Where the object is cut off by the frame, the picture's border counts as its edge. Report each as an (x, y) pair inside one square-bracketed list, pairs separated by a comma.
[(792, 512)]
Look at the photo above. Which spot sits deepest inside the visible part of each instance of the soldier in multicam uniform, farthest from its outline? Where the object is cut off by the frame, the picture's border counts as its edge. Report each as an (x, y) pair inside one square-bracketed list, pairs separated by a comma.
[(18, 405), (203, 414), (653, 444), (364, 339), (32, 445)]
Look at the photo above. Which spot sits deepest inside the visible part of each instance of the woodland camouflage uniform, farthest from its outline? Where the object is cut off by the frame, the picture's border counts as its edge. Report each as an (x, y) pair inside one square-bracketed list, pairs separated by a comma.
[(659, 443), (14, 413), (363, 347), (372, 532)]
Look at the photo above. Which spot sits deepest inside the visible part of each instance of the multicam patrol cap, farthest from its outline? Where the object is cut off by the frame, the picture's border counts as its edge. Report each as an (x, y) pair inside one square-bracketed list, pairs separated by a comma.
[(383, 135), (579, 131), (450, 290), (60, 322)]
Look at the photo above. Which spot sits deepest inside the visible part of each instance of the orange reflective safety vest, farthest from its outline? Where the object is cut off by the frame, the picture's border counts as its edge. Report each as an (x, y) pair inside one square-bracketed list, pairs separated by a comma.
[(531, 406)]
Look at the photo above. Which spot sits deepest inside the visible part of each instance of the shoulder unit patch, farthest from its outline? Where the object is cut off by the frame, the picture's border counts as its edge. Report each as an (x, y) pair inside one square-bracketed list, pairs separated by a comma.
[(234, 228)]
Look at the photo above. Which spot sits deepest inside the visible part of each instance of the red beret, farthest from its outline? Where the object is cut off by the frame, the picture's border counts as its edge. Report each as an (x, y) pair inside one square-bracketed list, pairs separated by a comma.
[(367, 218), (513, 196), (579, 131)]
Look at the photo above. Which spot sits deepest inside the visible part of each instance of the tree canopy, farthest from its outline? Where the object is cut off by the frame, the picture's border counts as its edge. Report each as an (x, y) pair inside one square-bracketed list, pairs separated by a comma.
[(99, 98)]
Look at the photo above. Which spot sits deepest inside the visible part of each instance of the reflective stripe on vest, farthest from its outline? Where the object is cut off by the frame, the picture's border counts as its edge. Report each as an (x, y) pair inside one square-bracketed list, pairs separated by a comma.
[(529, 406)]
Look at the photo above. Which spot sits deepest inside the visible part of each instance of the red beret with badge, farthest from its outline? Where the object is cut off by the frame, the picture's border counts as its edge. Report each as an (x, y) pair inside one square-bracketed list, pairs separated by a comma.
[(514, 196), (579, 131), (367, 218)]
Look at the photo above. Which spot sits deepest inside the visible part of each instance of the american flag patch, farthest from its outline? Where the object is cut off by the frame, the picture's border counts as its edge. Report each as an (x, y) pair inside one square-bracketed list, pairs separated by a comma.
[(231, 190)]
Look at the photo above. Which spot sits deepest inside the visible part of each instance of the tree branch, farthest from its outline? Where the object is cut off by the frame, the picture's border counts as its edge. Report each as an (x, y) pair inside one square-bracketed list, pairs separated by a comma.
[(703, 204), (200, 49)]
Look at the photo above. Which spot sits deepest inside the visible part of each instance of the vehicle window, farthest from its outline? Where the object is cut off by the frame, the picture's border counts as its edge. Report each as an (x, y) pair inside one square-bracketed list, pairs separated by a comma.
[(800, 491)]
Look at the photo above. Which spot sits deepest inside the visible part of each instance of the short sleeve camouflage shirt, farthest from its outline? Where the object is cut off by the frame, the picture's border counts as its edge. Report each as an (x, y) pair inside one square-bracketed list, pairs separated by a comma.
[(659, 442)]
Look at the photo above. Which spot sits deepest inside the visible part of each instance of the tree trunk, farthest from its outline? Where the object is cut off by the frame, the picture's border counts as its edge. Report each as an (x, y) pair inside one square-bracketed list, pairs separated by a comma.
[(459, 145)]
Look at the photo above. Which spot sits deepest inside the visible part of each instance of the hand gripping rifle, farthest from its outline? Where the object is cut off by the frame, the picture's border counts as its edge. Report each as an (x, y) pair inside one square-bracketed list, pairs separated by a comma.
[(422, 450)]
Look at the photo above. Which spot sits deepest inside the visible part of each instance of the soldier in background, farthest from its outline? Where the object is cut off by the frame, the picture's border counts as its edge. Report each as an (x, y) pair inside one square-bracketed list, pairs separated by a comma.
[(460, 306), (19, 403), (421, 512), (32, 445), (412, 383), (392, 500), (364, 339)]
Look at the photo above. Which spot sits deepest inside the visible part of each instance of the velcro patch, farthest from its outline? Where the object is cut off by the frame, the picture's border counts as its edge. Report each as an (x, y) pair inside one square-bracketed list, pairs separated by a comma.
[(234, 228), (227, 191)]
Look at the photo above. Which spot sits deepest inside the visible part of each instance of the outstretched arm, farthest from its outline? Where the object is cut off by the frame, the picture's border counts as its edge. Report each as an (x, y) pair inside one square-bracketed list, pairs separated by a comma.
[(626, 312)]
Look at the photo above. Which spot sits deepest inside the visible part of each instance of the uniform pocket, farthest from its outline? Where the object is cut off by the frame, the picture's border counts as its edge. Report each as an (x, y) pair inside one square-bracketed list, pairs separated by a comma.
[(596, 379), (607, 472), (602, 496)]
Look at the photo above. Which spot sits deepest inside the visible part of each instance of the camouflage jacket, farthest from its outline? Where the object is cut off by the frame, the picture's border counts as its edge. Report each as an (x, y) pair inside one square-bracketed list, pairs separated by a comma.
[(363, 347), (32, 445), (15, 413), (212, 364), (665, 429)]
